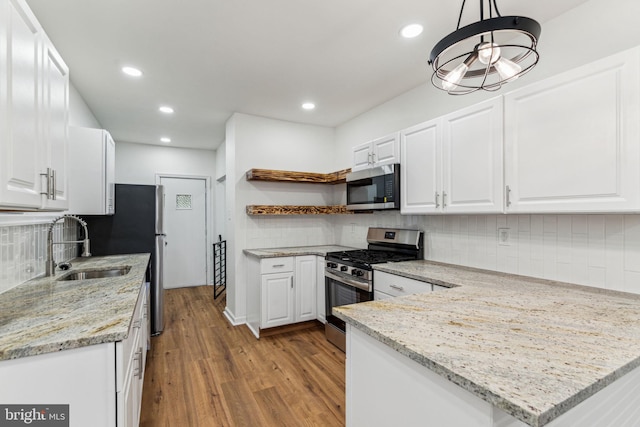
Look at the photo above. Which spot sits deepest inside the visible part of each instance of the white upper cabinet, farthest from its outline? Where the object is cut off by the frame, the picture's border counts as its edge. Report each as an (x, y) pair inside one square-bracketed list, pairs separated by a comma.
[(572, 142), (453, 164), (379, 152), (55, 124), (91, 171), (420, 168), (34, 105), (472, 159), (20, 65)]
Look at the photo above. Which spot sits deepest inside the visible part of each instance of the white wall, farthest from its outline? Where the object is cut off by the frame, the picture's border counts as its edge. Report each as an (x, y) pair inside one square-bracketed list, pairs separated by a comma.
[(139, 163), (598, 250), (79, 112), (258, 142)]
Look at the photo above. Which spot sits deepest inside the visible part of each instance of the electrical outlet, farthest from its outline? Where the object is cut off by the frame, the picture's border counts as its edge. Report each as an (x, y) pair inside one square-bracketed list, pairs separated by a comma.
[(503, 237)]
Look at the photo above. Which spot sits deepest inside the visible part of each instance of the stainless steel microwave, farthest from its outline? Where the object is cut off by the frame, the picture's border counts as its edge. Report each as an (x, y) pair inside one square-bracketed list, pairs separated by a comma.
[(374, 189)]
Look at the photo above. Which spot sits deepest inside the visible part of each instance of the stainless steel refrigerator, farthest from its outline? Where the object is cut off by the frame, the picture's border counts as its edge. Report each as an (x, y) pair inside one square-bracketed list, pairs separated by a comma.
[(136, 227)]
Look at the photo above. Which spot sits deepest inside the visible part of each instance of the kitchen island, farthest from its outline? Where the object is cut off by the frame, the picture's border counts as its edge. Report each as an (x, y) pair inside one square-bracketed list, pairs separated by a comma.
[(493, 350), (81, 343)]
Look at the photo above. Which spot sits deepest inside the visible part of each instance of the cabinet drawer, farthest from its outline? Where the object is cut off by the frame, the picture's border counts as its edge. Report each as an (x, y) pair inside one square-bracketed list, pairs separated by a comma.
[(397, 285), (276, 265)]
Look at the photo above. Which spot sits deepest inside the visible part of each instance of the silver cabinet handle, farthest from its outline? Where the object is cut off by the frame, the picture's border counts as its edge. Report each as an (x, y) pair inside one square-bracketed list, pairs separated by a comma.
[(508, 196), (373, 158), (136, 324), (444, 199), (138, 358), (47, 175), (278, 265), (437, 200), (53, 185), (399, 288), (291, 282)]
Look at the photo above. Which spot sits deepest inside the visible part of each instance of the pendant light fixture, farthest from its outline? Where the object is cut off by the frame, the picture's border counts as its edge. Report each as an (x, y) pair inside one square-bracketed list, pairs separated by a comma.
[(486, 54)]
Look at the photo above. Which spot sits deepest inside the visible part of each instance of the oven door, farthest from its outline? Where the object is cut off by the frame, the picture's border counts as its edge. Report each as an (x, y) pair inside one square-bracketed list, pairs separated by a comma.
[(343, 291)]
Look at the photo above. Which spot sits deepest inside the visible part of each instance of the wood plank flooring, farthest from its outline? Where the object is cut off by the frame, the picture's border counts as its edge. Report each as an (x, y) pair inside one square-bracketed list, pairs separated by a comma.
[(202, 371)]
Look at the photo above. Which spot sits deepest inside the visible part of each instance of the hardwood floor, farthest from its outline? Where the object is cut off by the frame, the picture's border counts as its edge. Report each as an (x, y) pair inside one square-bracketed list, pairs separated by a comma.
[(202, 371)]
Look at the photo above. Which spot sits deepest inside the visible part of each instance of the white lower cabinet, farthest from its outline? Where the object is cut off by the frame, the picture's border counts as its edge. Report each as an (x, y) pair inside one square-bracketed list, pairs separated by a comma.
[(572, 142), (102, 383), (277, 299), (281, 291), (131, 357), (388, 285)]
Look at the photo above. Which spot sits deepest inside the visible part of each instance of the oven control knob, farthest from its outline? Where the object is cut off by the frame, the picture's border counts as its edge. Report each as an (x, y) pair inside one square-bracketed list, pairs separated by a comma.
[(357, 272), (332, 265), (344, 268)]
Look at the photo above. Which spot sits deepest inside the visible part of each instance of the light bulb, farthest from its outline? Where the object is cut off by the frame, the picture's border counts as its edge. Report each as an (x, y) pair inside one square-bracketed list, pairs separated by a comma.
[(451, 80), (488, 52), (507, 68)]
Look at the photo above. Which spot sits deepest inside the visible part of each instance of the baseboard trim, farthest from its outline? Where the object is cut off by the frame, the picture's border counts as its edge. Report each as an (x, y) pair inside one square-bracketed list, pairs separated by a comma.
[(232, 319)]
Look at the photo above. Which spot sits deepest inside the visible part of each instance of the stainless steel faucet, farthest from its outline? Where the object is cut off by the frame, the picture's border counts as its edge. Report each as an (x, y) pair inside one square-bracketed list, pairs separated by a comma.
[(50, 266)]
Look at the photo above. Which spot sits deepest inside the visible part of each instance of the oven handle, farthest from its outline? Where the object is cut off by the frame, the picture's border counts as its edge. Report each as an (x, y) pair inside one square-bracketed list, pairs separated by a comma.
[(348, 281)]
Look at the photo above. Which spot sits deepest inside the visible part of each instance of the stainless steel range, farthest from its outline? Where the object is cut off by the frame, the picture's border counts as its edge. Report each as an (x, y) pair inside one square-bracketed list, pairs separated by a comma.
[(349, 275)]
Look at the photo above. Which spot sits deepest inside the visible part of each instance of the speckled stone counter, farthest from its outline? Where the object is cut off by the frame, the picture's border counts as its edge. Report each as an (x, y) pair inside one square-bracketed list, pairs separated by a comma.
[(295, 251), (531, 347), (45, 315)]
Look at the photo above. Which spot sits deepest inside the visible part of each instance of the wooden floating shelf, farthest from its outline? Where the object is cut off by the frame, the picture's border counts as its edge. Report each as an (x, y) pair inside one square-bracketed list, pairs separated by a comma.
[(296, 210), (303, 177)]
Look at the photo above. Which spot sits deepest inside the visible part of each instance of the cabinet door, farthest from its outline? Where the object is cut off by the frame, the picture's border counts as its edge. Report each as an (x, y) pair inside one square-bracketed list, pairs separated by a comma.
[(321, 310), (361, 157), (277, 300), (420, 180), (472, 159), (572, 141), (305, 288), (385, 150), (20, 138), (55, 118)]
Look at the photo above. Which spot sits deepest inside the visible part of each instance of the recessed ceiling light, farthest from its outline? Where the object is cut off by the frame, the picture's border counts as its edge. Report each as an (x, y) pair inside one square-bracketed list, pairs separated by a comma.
[(165, 139), (410, 31), (166, 109), (308, 106), (131, 71)]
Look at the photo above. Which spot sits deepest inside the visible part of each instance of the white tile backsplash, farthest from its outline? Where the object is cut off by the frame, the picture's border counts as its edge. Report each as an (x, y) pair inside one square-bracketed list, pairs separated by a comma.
[(23, 250), (595, 250)]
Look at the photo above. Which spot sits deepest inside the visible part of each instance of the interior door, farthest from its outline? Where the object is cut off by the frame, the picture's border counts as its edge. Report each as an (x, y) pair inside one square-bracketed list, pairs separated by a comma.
[(185, 256)]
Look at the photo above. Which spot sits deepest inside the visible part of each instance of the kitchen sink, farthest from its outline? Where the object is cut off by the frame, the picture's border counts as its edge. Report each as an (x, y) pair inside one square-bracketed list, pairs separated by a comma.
[(96, 274)]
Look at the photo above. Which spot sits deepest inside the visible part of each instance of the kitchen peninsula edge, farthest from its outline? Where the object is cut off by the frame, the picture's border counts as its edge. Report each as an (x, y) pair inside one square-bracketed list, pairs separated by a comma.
[(532, 348)]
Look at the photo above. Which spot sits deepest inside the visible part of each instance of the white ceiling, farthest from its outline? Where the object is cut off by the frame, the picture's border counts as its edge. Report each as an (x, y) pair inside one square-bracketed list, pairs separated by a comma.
[(210, 58)]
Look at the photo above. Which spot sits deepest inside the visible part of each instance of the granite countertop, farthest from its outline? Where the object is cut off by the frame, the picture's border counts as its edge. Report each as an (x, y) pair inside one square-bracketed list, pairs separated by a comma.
[(295, 251), (532, 347), (44, 315)]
